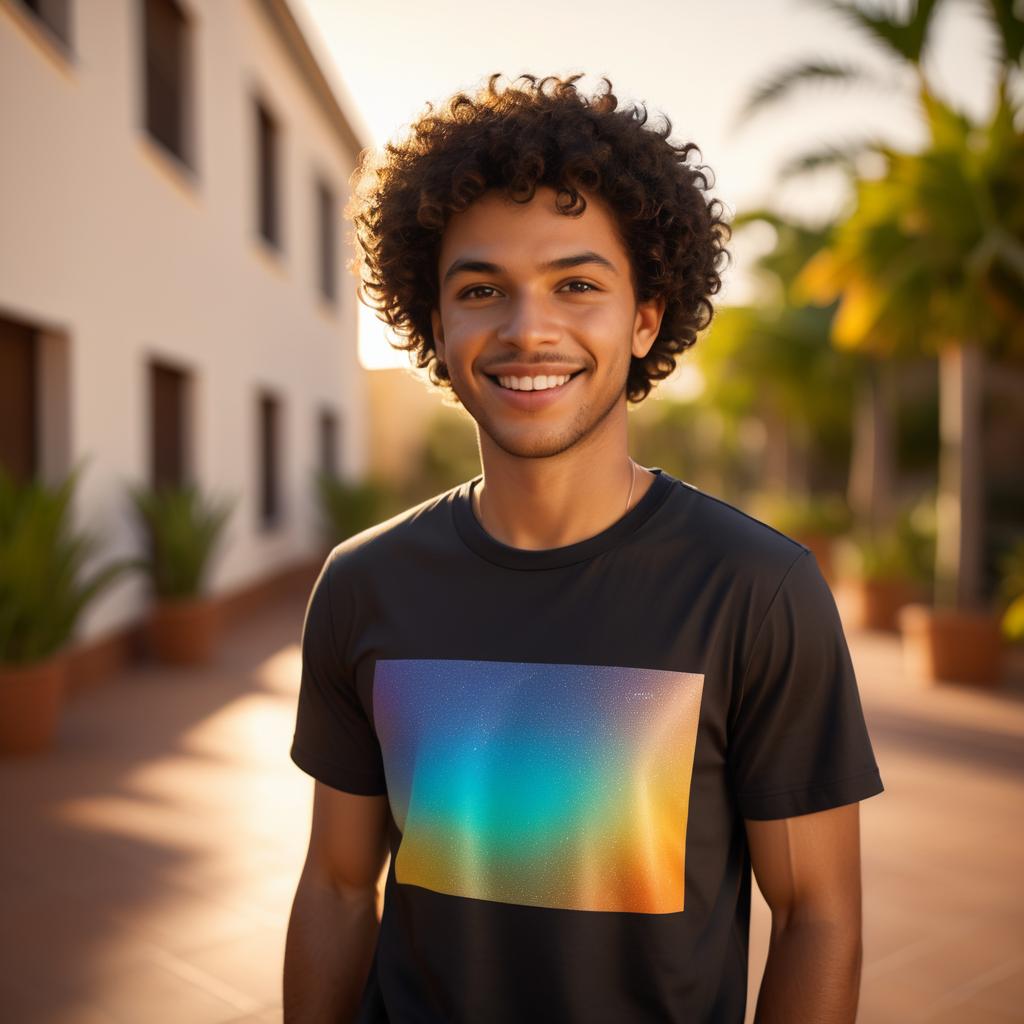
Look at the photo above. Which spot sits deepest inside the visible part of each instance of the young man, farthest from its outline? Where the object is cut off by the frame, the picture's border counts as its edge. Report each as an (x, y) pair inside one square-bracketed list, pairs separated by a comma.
[(574, 698)]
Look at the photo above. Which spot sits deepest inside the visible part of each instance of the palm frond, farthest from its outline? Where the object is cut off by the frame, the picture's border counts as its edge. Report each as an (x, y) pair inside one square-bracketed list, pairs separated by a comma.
[(843, 157), (903, 38), (780, 85)]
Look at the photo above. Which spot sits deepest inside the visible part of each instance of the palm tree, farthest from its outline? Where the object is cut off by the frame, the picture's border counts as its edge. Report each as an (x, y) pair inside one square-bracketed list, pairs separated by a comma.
[(932, 261)]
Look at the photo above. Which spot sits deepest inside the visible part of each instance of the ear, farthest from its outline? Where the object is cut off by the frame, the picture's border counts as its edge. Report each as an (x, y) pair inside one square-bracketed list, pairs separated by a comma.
[(649, 315), (438, 329)]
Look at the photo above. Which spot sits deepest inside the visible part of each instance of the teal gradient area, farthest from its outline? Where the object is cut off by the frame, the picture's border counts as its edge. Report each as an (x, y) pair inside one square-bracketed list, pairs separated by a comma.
[(513, 793), (544, 784)]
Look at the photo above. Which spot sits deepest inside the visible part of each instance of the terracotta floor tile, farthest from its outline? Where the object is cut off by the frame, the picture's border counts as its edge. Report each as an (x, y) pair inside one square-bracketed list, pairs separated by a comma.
[(170, 992), (971, 1012), (252, 963)]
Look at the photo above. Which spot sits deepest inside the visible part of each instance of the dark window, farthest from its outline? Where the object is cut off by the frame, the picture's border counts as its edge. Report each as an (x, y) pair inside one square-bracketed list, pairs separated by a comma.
[(166, 42), (270, 468), (329, 442), (267, 171), (328, 241), (18, 399), (54, 15), (168, 392)]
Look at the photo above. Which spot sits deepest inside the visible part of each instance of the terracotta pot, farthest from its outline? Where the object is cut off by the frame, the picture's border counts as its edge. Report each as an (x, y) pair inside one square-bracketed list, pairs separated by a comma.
[(955, 645), (875, 603), (185, 631), (30, 701)]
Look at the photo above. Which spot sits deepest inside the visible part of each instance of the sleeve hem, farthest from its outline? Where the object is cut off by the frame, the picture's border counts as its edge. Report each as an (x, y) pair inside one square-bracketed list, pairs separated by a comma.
[(347, 780), (820, 797)]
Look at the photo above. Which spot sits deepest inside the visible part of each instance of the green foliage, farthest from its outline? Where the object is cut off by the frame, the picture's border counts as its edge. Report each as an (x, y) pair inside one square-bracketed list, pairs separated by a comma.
[(666, 433), (181, 530), (827, 514), (761, 358), (1011, 590), (934, 249), (775, 358), (347, 508), (904, 550), (450, 454), (42, 587)]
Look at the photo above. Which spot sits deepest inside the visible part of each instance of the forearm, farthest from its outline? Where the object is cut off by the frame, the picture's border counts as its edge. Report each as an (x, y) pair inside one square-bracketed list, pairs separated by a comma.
[(328, 951), (812, 974)]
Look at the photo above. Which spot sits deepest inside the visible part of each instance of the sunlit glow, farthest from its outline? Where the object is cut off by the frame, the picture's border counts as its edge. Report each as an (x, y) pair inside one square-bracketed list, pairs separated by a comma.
[(685, 384), (375, 352)]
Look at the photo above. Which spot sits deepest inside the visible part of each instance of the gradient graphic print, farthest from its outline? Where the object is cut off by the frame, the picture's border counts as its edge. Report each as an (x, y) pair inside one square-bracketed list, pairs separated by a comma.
[(563, 786)]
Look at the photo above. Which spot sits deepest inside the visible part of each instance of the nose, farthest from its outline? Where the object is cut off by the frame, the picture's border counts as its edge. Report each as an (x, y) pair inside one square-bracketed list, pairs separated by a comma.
[(527, 322)]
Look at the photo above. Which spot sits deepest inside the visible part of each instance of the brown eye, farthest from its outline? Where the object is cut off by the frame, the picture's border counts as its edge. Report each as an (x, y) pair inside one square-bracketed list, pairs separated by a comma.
[(586, 284), (468, 293)]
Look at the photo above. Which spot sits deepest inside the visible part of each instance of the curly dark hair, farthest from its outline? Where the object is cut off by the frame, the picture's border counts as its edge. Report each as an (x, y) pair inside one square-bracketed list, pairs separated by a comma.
[(517, 139)]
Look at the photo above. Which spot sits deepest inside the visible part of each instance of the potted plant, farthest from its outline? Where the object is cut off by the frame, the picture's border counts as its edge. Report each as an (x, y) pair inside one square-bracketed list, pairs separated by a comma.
[(953, 638), (885, 569), (43, 590), (948, 642), (349, 507), (181, 531)]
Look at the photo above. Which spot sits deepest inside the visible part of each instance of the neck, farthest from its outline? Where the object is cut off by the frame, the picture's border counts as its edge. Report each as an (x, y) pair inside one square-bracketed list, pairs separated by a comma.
[(558, 500)]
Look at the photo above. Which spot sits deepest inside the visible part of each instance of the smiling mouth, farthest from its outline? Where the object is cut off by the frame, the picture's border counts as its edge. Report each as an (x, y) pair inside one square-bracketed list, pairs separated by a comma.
[(496, 380)]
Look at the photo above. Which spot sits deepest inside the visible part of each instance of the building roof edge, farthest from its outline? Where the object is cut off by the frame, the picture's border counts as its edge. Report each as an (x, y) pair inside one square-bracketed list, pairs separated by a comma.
[(333, 98)]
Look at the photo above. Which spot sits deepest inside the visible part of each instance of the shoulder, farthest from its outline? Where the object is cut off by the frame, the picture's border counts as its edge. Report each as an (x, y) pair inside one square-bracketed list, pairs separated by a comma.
[(424, 524), (737, 539)]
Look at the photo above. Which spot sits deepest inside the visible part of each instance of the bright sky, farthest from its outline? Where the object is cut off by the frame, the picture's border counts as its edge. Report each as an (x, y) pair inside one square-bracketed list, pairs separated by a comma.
[(694, 62)]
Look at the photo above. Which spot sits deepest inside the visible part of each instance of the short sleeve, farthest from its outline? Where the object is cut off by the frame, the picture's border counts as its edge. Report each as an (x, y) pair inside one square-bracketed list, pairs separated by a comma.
[(333, 741), (799, 742)]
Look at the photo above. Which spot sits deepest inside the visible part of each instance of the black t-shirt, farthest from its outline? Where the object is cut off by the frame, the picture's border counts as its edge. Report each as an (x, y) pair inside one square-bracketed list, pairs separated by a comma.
[(569, 740)]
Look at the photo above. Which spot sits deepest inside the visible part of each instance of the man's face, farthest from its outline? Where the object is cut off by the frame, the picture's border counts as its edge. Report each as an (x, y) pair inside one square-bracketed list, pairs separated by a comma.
[(529, 292)]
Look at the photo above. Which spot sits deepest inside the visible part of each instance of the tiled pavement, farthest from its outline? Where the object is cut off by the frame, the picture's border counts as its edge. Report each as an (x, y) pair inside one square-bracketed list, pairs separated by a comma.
[(148, 864)]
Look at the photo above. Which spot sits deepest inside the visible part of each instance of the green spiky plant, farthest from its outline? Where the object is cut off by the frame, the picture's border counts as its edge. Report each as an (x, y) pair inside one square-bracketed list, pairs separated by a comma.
[(43, 586), (346, 507), (181, 530)]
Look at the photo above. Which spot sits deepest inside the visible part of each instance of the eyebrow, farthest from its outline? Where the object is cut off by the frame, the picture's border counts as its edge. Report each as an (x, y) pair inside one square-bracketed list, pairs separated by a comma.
[(464, 266)]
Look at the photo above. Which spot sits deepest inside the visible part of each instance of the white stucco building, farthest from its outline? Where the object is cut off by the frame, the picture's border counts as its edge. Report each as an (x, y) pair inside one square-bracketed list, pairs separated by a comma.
[(174, 302)]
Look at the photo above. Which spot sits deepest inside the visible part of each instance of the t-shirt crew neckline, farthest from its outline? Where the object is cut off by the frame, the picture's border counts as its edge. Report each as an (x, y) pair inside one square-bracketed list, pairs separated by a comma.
[(479, 540)]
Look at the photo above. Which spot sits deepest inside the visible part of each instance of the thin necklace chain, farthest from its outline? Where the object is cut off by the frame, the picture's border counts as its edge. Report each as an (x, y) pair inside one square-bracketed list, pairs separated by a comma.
[(632, 483)]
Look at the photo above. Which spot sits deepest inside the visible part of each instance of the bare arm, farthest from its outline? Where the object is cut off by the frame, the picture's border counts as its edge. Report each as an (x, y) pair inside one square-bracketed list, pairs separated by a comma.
[(334, 921), (808, 869)]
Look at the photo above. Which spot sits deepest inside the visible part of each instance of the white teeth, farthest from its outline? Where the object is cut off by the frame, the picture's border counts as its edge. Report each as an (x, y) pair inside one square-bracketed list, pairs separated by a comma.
[(532, 383)]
